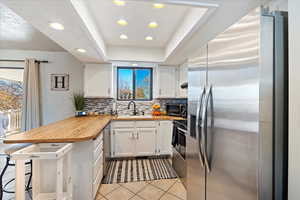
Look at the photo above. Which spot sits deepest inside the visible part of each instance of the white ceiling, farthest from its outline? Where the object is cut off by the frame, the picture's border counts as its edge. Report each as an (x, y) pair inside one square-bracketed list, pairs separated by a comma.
[(16, 33), (138, 15), (184, 25)]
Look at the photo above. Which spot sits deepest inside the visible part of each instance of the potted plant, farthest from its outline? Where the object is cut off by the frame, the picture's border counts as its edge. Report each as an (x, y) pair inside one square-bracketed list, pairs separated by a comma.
[(78, 100)]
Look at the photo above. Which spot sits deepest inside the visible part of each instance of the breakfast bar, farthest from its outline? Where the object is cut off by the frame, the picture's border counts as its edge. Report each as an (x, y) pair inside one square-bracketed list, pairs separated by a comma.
[(87, 136)]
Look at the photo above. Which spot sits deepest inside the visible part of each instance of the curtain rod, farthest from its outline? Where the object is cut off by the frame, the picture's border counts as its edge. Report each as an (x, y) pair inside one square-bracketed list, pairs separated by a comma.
[(38, 61)]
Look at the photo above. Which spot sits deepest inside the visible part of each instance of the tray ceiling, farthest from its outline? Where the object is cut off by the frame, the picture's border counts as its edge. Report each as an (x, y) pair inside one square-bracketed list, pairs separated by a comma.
[(16, 33)]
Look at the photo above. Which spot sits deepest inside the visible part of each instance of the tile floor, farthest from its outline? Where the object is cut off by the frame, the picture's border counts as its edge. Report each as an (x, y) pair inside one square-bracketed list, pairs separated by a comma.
[(164, 189)]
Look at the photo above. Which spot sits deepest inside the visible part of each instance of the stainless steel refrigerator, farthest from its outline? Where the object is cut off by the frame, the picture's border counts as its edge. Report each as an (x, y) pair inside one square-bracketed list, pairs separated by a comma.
[(237, 112)]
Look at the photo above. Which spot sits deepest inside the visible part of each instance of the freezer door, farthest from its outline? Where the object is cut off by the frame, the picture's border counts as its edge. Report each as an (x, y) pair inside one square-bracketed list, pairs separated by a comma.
[(232, 118), (274, 107), (195, 167)]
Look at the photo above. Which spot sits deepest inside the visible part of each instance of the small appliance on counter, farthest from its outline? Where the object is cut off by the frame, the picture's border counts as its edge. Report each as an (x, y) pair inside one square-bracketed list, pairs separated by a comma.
[(176, 109)]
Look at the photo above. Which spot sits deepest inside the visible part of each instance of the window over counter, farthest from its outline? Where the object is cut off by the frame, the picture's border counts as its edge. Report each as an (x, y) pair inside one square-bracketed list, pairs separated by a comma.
[(11, 93), (134, 83)]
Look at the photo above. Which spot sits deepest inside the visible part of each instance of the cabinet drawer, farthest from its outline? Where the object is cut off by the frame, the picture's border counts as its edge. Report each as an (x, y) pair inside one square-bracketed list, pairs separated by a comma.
[(124, 124), (98, 152), (98, 140), (98, 165), (146, 124), (97, 181)]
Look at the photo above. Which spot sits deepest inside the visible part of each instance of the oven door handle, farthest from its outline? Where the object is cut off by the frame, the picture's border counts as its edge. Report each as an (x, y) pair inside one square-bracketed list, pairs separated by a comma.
[(182, 130), (198, 136)]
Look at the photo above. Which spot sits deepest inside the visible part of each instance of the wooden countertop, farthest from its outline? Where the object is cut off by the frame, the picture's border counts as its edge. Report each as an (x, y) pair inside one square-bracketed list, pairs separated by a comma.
[(141, 118), (74, 129)]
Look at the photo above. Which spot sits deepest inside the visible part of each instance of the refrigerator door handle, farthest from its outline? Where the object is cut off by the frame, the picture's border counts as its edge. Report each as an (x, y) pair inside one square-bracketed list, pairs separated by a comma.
[(204, 128), (198, 135)]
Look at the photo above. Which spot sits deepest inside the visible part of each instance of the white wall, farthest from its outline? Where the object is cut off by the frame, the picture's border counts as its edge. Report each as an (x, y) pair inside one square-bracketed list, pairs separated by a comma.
[(56, 105), (133, 54), (294, 99)]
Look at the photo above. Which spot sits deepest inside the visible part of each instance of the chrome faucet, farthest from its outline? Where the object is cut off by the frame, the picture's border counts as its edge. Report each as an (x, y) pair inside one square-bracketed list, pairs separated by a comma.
[(134, 107)]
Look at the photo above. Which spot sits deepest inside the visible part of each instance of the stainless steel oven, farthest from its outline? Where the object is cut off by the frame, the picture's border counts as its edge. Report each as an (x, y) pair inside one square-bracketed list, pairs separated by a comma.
[(179, 148)]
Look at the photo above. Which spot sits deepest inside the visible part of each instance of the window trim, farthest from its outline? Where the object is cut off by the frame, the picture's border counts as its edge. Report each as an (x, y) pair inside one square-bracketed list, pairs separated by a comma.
[(134, 86)]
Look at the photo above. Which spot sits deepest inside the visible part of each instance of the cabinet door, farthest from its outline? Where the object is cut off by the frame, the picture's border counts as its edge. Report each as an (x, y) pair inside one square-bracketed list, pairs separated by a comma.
[(123, 142), (168, 83), (146, 141), (98, 80), (165, 131)]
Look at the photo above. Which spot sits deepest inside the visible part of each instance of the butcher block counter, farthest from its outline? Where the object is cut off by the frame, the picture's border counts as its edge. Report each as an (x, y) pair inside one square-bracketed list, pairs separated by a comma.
[(74, 129)]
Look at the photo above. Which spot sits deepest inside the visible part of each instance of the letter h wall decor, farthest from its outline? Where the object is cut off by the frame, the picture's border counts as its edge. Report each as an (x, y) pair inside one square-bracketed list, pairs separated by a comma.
[(59, 82)]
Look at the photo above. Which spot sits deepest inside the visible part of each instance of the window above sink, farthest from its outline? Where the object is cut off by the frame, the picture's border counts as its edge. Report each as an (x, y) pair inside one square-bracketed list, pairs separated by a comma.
[(134, 83)]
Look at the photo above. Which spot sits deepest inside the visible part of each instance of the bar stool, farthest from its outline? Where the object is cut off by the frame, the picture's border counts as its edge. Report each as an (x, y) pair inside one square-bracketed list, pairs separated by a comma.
[(8, 150), (54, 155)]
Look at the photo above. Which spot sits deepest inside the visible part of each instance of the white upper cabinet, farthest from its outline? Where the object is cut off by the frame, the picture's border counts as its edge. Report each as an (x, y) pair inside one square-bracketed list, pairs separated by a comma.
[(183, 78), (98, 80), (167, 81)]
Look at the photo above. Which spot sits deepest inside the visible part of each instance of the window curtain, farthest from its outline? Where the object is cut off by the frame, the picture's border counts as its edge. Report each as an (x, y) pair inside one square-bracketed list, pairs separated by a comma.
[(31, 96)]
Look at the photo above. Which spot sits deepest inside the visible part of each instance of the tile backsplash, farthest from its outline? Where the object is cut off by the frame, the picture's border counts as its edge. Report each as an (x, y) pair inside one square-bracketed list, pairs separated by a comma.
[(101, 105), (105, 105), (145, 106)]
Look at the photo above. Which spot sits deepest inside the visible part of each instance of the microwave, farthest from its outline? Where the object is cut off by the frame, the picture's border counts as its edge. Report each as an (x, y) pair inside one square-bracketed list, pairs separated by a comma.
[(178, 110)]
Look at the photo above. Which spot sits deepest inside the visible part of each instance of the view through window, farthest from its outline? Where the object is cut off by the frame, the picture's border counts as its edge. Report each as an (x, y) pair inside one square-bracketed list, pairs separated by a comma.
[(11, 93), (134, 83)]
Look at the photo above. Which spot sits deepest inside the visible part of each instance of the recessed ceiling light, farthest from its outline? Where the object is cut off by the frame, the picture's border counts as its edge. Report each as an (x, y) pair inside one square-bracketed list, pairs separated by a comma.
[(123, 37), (152, 25), (122, 22), (134, 64), (119, 2), (81, 50), (148, 38), (56, 26), (158, 5)]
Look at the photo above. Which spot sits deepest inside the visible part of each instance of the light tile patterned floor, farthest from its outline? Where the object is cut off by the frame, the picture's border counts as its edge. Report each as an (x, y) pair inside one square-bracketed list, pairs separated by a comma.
[(165, 189)]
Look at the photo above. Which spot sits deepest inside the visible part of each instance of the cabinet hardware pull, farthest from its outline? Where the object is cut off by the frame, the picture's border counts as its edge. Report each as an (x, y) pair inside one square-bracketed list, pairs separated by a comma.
[(34, 156)]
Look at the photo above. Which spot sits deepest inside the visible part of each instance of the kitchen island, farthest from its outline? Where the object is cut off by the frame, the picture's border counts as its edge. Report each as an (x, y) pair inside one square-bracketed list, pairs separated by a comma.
[(86, 134)]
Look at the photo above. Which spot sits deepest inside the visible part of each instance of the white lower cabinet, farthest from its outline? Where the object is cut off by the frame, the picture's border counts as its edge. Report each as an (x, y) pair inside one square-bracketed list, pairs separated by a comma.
[(141, 138), (87, 168), (97, 163), (123, 142), (164, 141), (146, 141)]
